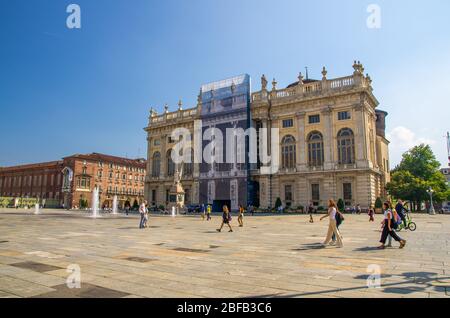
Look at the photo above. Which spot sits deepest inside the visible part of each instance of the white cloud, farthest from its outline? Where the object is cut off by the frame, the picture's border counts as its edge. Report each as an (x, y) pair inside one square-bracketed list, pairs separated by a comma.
[(402, 139)]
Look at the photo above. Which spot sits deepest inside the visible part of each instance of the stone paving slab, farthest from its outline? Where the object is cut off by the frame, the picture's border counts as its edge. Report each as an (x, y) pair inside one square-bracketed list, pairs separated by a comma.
[(271, 256)]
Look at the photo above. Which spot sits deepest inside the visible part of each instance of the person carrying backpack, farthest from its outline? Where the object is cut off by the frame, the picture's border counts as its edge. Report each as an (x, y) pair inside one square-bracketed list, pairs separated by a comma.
[(390, 223), (339, 219), (400, 209)]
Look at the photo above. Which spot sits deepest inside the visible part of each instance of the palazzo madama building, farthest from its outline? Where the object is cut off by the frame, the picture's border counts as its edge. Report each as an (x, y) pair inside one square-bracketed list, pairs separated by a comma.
[(331, 143)]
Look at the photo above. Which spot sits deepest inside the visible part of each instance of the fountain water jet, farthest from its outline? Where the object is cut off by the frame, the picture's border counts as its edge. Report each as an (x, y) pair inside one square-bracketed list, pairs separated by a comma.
[(114, 209), (95, 203), (36, 209)]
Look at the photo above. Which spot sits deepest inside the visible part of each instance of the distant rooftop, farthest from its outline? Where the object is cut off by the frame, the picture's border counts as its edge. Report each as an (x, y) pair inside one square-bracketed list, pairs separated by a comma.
[(139, 162)]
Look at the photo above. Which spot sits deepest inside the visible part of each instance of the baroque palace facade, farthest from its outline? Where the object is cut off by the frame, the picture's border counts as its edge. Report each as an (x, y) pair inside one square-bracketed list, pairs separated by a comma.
[(332, 144)]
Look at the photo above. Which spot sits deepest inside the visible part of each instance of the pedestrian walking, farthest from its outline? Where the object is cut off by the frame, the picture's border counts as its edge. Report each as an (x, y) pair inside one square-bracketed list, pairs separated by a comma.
[(332, 228), (146, 215), (311, 211), (226, 219), (241, 216), (142, 209), (358, 209), (371, 214), (401, 210), (208, 213), (127, 208), (389, 224), (203, 211), (339, 221)]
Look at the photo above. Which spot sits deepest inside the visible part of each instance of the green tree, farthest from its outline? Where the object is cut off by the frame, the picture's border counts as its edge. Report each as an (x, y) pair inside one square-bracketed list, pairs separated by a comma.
[(278, 203), (341, 205), (417, 172), (378, 203)]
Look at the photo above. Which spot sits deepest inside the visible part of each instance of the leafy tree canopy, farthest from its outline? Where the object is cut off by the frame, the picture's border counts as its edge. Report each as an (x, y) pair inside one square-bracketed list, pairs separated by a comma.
[(417, 172)]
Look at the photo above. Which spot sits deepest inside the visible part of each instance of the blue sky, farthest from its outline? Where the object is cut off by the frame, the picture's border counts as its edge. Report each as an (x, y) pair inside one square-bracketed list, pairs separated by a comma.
[(68, 91)]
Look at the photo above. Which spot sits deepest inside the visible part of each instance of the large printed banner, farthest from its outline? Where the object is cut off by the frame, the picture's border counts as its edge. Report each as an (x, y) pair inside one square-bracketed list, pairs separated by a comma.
[(225, 96), (225, 106)]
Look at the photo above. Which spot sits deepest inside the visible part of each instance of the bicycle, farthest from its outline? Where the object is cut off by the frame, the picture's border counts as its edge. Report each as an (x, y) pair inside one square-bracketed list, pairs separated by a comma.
[(410, 225)]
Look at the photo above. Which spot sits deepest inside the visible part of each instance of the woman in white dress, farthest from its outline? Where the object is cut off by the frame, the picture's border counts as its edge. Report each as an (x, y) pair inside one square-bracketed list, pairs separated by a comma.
[(332, 228)]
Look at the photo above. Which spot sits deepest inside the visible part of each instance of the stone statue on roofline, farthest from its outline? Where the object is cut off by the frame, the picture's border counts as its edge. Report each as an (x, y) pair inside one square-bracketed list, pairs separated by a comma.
[(263, 83)]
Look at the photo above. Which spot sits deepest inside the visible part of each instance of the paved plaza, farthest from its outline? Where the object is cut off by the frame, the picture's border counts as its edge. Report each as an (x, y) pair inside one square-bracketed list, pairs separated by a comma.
[(272, 256)]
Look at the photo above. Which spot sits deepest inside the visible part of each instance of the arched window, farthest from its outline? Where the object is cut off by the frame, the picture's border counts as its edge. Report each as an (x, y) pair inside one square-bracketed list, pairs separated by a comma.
[(346, 146), (288, 152), (315, 149), (170, 164), (156, 164)]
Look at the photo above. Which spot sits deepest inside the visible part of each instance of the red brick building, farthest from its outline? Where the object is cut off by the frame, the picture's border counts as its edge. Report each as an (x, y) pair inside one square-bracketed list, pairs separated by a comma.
[(71, 181), (40, 180)]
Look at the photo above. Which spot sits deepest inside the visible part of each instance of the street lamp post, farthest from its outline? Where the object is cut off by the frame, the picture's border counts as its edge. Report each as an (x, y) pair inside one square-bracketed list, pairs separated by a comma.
[(430, 192)]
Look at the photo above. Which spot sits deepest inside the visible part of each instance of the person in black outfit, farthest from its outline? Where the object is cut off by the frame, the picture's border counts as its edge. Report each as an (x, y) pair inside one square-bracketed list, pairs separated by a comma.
[(400, 208)]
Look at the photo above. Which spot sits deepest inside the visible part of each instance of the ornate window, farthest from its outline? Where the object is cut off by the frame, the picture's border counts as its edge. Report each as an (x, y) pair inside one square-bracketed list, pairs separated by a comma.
[(315, 149), (156, 164), (346, 146), (288, 157), (170, 164)]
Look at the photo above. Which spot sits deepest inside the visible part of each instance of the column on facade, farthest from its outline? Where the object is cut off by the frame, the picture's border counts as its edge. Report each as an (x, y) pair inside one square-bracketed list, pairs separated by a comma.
[(373, 145), (302, 191), (365, 189), (261, 154), (301, 142), (328, 139), (147, 190), (264, 181), (275, 184), (360, 137), (163, 165), (329, 187)]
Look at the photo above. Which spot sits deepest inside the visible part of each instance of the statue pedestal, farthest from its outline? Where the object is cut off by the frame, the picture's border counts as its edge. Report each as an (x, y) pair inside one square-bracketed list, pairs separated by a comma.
[(176, 198)]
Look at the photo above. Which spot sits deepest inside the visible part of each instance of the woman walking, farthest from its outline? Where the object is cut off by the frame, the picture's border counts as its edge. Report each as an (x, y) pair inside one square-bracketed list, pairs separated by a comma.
[(226, 219), (241, 216), (332, 228), (388, 227)]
